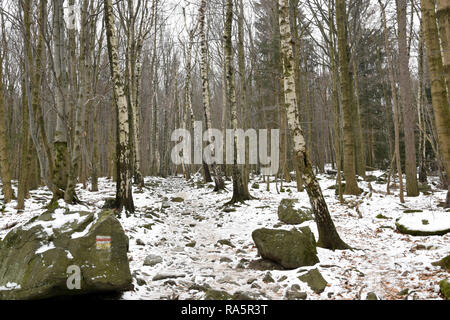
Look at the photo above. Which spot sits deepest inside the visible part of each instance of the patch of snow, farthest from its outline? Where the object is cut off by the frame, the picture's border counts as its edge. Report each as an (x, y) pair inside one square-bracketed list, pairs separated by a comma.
[(426, 221)]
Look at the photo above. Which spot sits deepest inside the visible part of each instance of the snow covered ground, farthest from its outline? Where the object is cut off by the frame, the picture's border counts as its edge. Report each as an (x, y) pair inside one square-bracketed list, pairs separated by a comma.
[(385, 262)]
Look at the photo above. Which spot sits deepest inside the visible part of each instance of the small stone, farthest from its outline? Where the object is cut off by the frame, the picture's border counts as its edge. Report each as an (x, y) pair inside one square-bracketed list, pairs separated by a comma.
[(255, 286), (141, 282), (139, 242), (163, 276), (225, 242), (295, 295), (250, 281), (225, 260), (152, 260), (268, 278), (170, 283), (191, 244)]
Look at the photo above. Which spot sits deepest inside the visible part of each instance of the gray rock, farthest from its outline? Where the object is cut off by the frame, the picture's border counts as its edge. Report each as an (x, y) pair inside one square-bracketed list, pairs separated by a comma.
[(139, 242), (255, 286), (289, 215), (163, 276), (268, 278), (291, 249), (141, 282), (314, 280), (292, 294), (225, 242), (152, 260), (36, 256), (191, 244)]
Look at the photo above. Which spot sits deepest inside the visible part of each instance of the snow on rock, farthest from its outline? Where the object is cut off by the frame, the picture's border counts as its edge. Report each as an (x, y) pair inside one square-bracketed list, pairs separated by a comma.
[(425, 223)]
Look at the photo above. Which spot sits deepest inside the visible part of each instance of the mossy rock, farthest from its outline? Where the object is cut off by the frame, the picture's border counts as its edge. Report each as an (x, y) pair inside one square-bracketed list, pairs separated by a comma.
[(291, 249), (371, 178), (314, 280), (380, 216), (424, 187), (255, 185), (403, 229), (212, 294), (177, 199), (36, 256), (445, 288), (443, 263), (412, 210), (289, 215)]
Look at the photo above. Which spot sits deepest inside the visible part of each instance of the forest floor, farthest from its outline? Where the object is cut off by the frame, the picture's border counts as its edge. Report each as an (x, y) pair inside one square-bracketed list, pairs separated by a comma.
[(385, 262)]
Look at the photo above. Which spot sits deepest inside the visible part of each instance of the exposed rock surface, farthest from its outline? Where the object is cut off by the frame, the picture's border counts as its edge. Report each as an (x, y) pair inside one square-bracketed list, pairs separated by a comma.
[(291, 249), (35, 257)]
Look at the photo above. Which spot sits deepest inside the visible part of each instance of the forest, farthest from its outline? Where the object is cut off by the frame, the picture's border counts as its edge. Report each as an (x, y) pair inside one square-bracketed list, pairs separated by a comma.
[(225, 149)]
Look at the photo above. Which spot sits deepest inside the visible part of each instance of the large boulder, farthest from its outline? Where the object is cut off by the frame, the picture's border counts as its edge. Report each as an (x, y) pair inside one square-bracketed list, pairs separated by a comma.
[(291, 249), (39, 258), (289, 215)]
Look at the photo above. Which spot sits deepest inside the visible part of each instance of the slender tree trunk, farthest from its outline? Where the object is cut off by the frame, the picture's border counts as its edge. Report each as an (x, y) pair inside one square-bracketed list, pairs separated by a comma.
[(406, 97), (359, 139), (351, 185), (124, 196), (25, 154), (218, 178), (334, 75), (239, 192), (394, 102), (328, 236), (244, 100), (5, 171)]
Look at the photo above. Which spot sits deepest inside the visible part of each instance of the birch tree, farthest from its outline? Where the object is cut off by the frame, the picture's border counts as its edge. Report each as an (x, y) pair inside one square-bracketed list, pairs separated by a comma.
[(240, 194), (328, 236), (124, 196)]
